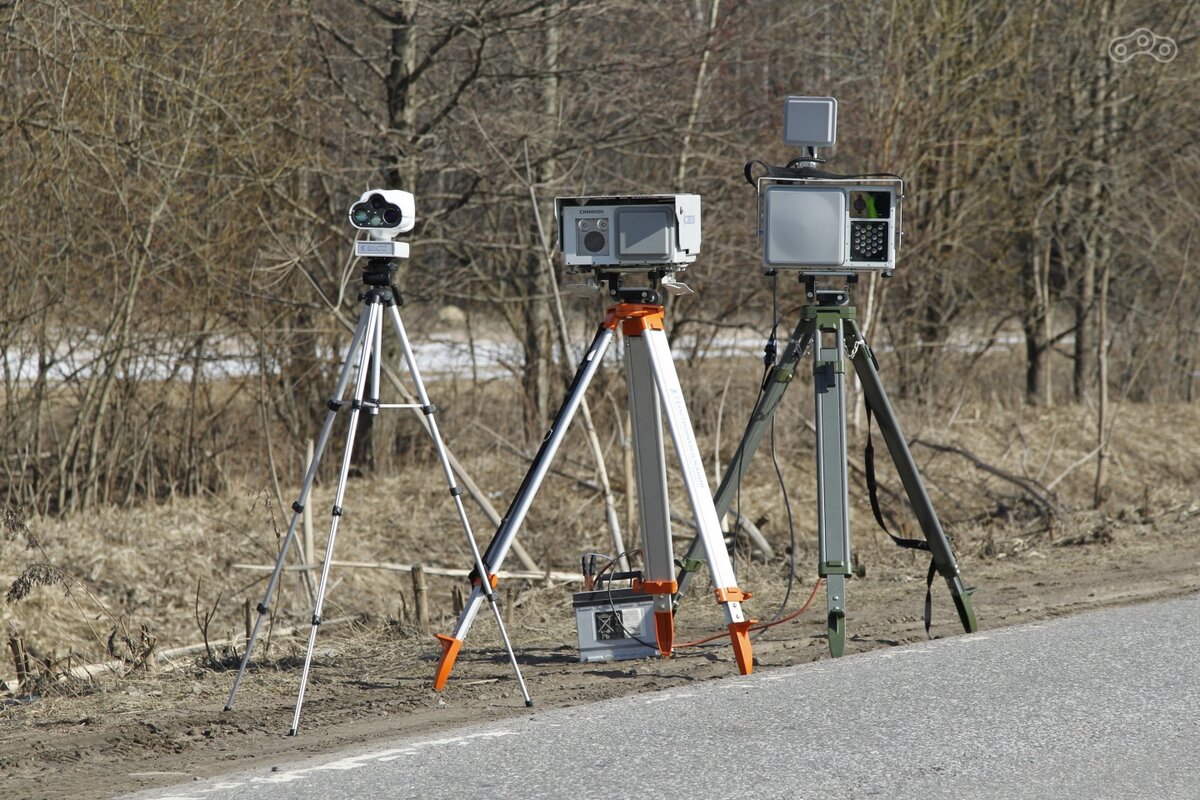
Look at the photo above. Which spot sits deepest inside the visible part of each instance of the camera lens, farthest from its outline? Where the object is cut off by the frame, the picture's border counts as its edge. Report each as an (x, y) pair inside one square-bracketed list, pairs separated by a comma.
[(376, 202), (594, 241), (360, 215), (376, 221), (391, 215)]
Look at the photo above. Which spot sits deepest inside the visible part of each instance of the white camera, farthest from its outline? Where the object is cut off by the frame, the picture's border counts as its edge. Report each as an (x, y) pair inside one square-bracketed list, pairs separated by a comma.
[(629, 233), (383, 213)]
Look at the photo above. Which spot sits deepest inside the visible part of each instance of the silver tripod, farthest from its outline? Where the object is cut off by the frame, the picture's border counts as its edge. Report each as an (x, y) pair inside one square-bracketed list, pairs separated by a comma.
[(654, 391), (380, 296)]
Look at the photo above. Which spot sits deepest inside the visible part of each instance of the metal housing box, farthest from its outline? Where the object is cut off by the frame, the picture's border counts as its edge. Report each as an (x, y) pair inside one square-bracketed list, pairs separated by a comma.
[(830, 225), (624, 233)]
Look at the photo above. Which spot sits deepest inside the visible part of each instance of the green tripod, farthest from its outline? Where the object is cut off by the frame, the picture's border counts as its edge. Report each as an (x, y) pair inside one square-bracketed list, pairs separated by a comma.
[(828, 324)]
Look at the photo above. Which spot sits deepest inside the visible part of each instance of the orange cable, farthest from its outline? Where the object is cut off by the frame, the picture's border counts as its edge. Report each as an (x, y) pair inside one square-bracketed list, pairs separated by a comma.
[(765, 625)]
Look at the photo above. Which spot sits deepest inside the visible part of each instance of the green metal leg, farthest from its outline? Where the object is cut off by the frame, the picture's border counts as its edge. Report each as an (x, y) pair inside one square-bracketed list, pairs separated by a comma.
[(906, 467)]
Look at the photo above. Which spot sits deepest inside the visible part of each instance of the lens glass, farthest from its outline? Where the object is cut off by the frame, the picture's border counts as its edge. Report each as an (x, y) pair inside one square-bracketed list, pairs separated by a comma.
[(377, 202), (392, 215), (360, 215)]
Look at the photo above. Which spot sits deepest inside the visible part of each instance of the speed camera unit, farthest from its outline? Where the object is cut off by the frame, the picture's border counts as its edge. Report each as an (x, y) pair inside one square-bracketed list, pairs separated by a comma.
[(383, 214), (817, 222), (829, 224), (629, 233)]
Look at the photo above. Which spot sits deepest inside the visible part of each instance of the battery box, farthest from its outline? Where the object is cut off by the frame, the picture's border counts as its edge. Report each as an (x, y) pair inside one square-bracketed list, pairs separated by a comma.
[(614, 625)]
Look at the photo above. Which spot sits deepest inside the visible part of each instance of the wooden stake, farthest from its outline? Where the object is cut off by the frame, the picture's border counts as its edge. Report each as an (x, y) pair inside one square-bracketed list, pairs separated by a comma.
[(458, 599), (20, 659), (422, 600)]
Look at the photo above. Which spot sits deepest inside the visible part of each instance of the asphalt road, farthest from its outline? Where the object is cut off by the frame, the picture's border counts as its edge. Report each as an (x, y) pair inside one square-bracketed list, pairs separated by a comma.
[(1102, 705)]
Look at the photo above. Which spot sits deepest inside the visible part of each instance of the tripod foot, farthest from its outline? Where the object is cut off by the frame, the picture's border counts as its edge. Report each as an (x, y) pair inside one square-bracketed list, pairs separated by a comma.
[(450, 648), (966, 611), (836, 627), (664, 631), (739, 635)]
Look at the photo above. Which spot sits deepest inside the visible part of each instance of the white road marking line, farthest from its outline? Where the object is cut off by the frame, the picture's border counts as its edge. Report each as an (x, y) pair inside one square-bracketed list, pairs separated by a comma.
[(354, 762), (666, 698)]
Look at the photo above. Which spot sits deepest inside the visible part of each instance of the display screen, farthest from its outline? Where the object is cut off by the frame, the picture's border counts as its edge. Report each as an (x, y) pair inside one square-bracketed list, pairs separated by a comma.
[(644, 232)]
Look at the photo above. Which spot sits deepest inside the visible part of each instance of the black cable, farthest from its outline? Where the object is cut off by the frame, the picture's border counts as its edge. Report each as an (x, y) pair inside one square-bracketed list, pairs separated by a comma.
[(787, 504), (612, 603)]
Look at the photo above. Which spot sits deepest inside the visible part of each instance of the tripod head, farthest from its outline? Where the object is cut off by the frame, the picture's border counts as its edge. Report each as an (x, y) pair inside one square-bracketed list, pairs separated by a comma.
[(663, 279), (837, 294), (379, 275)]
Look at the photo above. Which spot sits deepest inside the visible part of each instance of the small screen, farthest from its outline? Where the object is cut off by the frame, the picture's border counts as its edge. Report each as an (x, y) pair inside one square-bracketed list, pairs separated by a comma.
[(644, 232)]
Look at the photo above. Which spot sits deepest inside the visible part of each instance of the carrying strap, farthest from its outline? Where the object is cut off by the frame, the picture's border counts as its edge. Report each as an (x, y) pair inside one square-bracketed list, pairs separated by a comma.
[(773, 171), (909, 544)]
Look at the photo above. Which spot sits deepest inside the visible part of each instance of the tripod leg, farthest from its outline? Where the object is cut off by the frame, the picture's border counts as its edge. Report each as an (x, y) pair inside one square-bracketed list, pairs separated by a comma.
[(833, 506), (455, 491), (939, 545), (497, 549), (774, 385), (334, 404), (691, 465), (339, 495), (651, 477)]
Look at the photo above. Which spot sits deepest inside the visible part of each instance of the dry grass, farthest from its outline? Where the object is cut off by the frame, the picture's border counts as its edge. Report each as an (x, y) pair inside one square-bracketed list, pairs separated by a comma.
[(114, 583)]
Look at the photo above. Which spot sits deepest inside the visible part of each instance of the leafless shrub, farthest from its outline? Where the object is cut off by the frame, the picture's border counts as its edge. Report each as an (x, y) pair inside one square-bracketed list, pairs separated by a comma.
[(38, 574), (17, 527), (136, 651)]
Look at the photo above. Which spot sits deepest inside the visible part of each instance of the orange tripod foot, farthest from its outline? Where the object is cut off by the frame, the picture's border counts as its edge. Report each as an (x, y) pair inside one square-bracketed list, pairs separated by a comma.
[(664, 630), (739, 634), (450, 648)]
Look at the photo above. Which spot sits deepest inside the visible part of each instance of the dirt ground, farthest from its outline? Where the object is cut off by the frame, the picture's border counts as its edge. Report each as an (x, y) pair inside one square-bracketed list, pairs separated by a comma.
[(166, 568)]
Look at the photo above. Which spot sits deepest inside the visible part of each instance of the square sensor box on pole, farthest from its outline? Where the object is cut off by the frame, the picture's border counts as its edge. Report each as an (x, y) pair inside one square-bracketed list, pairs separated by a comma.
[(810, 121), (629, 233)]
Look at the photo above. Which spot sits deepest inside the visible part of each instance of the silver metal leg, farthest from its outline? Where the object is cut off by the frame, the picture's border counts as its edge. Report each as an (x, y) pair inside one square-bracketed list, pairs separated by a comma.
[(691, 465), (658, 578), (339, 497), (456, 492), (335, 403), (509, 526)]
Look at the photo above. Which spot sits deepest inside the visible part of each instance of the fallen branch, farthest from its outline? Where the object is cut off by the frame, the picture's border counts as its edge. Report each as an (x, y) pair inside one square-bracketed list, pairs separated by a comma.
[(448, 572), (121, 667), (1038, 493)]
